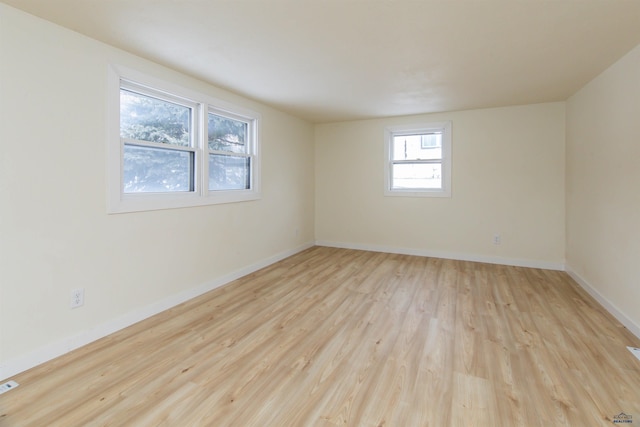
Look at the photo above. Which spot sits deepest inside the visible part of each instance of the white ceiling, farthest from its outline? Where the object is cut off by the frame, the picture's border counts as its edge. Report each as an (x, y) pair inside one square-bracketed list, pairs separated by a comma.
[(330, 60)]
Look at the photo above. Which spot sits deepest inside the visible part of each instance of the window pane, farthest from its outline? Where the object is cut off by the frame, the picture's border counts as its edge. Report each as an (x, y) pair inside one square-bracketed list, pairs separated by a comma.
[(226, 134), (417, 147), (157, 170), (145, 118), (417, 176), (228, 172)]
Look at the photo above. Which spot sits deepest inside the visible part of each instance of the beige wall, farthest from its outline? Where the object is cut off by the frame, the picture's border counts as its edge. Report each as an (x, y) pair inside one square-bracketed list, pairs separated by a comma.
[(55, 233), (603, 187), (508, 177)]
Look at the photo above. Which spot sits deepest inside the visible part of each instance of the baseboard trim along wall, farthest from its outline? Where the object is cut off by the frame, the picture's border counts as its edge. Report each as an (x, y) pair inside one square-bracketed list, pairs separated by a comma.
[(547, 265), (51, 351), (608, 305)]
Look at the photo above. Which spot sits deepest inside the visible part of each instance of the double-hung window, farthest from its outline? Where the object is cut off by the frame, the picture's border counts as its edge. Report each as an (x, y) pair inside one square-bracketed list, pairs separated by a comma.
[(158, 141), (418, 160), (171, 147), (229, 154)]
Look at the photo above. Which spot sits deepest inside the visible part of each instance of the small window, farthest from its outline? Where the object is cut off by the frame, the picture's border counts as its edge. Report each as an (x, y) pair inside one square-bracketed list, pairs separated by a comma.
[(170, 147), (418, 160), (229, 154)]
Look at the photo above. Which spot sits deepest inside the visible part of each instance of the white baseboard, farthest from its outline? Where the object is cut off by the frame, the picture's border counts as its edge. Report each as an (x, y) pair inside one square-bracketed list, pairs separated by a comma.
[(608, 305), (633, 327), (547, 265), (51, 351)]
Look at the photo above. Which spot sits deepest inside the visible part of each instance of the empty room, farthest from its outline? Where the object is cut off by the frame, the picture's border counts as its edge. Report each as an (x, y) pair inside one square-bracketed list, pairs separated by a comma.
[(319, 213)]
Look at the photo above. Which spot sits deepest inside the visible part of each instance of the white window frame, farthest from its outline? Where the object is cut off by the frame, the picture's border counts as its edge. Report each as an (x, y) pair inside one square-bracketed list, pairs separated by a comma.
[(250, 145), (119, 202), (413, 129)]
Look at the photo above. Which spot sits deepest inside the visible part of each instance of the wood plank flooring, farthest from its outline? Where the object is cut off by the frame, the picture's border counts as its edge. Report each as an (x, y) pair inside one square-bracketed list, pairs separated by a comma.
[(334, 337)]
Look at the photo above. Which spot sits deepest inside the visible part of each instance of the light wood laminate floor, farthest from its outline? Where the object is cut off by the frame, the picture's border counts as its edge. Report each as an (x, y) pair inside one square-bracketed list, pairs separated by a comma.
[(352, 338)]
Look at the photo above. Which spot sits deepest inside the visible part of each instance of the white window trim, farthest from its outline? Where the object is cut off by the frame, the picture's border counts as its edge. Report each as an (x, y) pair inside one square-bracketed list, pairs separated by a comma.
[(390, 131), (119, 202)]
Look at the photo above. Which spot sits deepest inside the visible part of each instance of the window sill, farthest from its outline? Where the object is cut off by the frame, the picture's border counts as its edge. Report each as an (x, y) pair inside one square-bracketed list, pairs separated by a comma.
[(146, 202), (421, 193)]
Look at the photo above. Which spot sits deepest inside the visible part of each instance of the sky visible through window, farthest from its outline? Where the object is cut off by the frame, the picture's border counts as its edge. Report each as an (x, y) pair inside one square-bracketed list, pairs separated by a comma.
[(411, 150)]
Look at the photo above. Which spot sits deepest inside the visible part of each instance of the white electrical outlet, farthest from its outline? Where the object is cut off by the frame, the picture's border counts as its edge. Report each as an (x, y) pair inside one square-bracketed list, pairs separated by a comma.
[(77, 297), (497, 239)]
